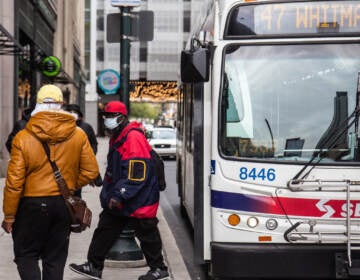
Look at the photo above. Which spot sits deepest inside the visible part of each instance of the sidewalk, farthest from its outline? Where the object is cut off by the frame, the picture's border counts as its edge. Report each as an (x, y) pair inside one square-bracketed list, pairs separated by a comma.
[(79, 242)]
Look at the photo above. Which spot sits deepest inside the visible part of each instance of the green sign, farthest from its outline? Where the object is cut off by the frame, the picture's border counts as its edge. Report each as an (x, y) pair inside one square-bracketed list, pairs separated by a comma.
[(51, 66)]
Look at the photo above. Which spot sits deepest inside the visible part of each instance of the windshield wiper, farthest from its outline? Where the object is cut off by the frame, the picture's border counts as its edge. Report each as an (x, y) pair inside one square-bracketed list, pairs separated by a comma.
[(271, 135), (339, 131)]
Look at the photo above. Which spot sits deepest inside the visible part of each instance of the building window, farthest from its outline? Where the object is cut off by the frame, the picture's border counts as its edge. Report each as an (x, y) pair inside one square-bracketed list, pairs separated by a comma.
[(143, 54), (186, 21), (100, 23), (143, 75), (100, 53)]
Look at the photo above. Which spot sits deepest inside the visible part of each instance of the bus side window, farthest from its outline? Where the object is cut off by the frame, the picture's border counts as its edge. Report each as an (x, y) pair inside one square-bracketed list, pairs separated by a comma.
[(236, 97), (231, 111)]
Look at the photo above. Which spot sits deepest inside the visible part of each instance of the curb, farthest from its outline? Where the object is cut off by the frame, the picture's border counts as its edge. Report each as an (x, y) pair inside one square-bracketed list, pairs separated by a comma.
[(172, 255)]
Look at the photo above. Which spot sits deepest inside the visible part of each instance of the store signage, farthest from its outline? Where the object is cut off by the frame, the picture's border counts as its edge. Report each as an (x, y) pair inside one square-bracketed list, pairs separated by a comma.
[(109, 81), (51, 66)]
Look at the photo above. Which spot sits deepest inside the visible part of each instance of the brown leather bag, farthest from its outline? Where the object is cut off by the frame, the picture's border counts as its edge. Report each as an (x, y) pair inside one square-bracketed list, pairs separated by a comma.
[(80, 214)]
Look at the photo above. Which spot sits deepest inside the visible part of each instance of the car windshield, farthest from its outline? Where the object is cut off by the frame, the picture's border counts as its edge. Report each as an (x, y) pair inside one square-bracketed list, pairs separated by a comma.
[(288, 102), (163, 134)]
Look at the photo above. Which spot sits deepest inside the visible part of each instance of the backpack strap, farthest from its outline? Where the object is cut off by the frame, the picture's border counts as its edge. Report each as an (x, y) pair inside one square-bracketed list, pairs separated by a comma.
[(123, 139)]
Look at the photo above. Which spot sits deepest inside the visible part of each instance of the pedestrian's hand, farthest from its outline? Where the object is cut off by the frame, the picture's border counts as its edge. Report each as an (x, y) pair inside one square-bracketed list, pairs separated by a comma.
[(98, 181), (7, 226), (113, 203)]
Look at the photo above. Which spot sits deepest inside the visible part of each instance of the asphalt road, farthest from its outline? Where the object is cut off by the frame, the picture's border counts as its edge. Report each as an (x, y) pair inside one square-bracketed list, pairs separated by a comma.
[(180, 227)]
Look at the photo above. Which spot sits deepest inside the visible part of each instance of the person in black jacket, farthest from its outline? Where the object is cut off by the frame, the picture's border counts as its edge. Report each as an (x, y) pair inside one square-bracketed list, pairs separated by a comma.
[(19, 125), (74, 109), (129, 197)]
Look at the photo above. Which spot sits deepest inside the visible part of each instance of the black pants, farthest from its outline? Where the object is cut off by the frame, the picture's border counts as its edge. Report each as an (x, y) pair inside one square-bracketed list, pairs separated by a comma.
[(109, 229), (41, 231)]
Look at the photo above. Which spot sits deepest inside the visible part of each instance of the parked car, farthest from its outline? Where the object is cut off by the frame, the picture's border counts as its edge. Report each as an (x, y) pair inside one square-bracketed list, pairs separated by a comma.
[(163, 141)]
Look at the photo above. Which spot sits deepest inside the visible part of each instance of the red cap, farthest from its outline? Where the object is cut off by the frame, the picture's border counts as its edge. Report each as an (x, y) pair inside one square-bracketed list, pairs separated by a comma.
[(116, 107)]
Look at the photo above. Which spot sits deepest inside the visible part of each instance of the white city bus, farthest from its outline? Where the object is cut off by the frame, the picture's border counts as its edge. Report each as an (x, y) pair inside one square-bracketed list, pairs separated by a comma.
[(268, 141)]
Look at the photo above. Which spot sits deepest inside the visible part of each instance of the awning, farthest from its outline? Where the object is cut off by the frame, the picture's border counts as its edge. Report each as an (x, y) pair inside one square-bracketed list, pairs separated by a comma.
[(8, 44), (64, 78)]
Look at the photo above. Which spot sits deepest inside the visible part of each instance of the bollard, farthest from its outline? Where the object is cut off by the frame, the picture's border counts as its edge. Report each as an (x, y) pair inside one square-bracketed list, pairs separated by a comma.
[(125, 252)]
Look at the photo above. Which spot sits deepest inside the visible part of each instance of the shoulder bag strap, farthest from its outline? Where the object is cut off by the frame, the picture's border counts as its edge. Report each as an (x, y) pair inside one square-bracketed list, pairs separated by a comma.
[(64, 190)]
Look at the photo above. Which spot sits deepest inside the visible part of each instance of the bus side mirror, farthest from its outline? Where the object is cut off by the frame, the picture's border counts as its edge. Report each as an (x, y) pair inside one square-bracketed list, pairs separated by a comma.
[(195, 65)]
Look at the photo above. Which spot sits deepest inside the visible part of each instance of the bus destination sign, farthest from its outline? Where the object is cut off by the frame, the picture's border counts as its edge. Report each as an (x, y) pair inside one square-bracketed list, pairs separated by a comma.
[(295, 18)]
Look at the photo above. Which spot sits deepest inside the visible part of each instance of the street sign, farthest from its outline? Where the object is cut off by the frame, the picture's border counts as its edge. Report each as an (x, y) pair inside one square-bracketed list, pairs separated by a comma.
[(129, 3), (142, 27), (109, 81), (113, 32)]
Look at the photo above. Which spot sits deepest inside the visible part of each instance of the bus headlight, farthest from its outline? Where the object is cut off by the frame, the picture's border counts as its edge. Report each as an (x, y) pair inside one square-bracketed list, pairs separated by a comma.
[(271, 224), (252, 222), (234, 219)]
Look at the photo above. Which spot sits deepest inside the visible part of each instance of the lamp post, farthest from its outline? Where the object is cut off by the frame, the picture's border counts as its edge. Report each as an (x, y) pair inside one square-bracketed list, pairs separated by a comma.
[(125, 251), (125, 54)]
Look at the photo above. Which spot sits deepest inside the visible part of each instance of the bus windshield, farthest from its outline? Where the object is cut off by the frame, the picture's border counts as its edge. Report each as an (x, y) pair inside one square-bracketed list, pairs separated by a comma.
[(289, 102)]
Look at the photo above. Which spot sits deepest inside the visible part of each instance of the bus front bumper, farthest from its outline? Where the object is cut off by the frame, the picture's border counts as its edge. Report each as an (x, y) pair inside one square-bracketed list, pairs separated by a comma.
[(234, 260)]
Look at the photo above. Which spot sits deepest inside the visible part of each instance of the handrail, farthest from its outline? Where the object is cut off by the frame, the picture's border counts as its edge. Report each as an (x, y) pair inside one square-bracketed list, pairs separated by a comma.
[(348, 236), (323, 185)]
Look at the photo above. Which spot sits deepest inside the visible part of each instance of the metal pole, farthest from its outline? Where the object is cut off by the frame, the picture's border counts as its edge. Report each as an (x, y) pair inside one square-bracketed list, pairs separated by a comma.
[(33, 48), (125, 247), (125, 55)]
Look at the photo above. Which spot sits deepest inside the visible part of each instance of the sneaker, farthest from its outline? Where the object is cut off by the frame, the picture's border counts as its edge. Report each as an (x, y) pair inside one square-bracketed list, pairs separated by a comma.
[(156, 274), (86, 269)]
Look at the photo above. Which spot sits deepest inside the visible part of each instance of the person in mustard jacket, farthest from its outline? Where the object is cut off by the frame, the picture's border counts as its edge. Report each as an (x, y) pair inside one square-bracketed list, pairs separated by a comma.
[(34, 209)]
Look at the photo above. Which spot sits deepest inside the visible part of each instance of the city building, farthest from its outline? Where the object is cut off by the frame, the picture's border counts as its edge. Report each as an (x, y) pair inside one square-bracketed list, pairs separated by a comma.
[(75, 32), (154, 65), (37, 39)]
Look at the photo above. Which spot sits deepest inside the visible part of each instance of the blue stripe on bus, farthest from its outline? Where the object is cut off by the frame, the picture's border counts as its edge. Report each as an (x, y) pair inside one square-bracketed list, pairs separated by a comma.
[(242, 202), (233, 201)]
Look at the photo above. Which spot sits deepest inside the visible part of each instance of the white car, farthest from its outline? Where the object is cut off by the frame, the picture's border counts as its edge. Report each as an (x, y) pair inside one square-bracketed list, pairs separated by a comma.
[(163, 141)]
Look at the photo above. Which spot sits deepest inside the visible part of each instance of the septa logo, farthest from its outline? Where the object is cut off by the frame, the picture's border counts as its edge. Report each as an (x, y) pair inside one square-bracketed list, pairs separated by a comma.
[(354, 210), (335, 209), (321, 205)]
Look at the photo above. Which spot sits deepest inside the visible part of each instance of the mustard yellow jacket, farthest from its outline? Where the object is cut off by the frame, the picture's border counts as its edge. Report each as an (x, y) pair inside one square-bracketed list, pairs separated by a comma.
[(29, 172)]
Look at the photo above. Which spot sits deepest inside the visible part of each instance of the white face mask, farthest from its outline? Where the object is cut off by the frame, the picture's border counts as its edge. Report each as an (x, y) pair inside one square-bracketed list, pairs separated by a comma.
[(111, 123), (76, 116)]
